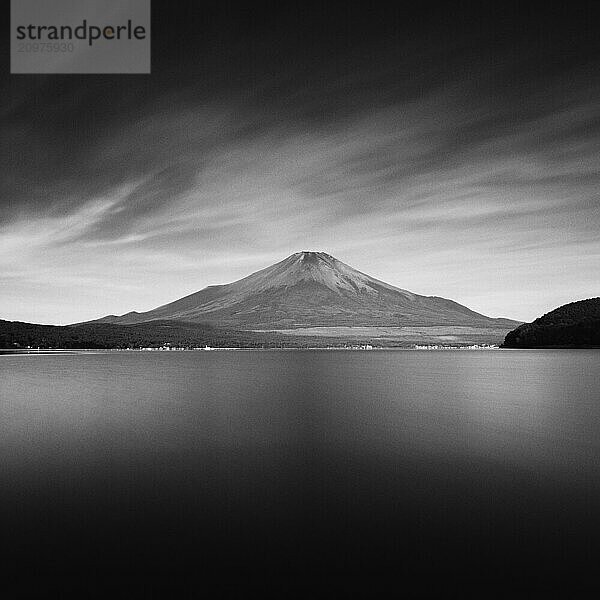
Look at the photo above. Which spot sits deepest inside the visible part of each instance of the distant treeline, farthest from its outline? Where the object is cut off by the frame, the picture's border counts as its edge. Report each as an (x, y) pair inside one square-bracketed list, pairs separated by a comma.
[(573, 325), (155, 334)]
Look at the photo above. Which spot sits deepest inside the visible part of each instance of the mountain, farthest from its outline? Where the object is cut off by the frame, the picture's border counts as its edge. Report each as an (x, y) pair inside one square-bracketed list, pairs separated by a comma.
[(314, 290), (572, 325)]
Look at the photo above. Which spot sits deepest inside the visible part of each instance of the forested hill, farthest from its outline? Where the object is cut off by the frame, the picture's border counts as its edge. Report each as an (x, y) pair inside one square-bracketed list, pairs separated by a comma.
[(15, 335), (574, 325)]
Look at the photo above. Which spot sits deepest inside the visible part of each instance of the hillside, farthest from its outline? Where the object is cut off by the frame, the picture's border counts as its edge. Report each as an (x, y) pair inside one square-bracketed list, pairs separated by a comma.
[(573, 325), (19, 335)]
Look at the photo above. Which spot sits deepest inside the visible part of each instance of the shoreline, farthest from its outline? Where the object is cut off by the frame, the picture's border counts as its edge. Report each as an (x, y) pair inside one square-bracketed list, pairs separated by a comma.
[(67, 351)]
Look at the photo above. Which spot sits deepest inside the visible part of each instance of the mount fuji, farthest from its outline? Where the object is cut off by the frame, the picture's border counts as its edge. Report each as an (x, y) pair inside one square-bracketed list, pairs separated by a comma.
[(313, 292)]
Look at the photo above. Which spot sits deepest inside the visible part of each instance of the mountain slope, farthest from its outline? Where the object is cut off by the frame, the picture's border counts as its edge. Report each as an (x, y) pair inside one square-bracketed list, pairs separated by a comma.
[(312, 289), (576, 324)]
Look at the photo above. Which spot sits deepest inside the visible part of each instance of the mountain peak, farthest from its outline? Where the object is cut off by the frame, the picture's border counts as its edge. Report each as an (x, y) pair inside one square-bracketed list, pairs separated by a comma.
[(315, 268), (310, 256)]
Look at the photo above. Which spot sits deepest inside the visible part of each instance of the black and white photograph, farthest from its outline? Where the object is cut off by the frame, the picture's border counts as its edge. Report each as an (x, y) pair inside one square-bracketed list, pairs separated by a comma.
[(299, 299)]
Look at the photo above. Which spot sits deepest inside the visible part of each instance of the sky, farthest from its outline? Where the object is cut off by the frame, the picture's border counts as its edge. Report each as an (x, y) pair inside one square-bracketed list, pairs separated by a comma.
[(451, 152)]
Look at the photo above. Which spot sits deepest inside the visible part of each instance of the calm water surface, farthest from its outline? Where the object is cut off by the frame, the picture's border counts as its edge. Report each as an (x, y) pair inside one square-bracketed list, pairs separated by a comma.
[(308, 462)]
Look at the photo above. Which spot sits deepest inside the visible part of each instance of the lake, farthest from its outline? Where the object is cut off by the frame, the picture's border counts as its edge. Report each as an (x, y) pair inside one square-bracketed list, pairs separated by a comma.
[(454, 466)]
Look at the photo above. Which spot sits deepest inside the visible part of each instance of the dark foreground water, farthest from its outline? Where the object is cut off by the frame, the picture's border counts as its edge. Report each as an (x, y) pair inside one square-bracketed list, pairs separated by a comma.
[(453, 468)]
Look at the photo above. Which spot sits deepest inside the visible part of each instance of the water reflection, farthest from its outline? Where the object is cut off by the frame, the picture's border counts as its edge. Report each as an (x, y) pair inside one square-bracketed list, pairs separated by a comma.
[(311, 460)]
